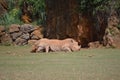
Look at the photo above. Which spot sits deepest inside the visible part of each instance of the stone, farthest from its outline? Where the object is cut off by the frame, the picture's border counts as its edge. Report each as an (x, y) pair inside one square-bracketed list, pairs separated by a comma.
[(6, 39), (15, 35), (95, 44), (111, 36), (26, 28), (25, 36), (37, 34), (2, 30), (14, 28), (108, 40), (20, 41), (116, 40)]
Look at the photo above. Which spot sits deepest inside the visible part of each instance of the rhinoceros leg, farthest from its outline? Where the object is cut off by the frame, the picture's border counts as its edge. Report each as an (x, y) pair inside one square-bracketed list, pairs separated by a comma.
[(47, 49), (67, 49), (40, 49)]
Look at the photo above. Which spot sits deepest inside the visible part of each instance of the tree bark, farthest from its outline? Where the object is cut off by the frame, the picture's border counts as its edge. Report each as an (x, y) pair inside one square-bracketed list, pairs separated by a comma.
[(62, 19), (3, 6)]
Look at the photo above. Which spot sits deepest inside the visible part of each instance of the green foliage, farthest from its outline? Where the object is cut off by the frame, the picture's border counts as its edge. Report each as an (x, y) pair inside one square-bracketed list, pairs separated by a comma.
[(90, 5), (12, 15), (14, 12), (37, 9), (11, 4), (38, 5), (95, 5)]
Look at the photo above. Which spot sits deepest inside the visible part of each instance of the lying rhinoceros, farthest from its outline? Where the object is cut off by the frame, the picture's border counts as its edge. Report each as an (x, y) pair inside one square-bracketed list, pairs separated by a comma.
[(55, 45)]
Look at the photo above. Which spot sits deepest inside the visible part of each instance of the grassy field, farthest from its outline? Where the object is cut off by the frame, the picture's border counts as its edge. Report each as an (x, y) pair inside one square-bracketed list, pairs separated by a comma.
[(17, 63)]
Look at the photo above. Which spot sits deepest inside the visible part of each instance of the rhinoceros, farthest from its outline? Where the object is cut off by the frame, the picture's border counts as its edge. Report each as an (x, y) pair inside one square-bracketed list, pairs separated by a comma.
[(55, 45)]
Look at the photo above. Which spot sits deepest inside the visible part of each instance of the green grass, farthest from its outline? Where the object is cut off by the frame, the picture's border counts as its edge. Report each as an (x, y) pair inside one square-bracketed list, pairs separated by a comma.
[(17, 63)]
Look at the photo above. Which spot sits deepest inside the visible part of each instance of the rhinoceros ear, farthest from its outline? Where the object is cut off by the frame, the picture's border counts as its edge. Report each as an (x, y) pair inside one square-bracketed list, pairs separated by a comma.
[(72, 41)]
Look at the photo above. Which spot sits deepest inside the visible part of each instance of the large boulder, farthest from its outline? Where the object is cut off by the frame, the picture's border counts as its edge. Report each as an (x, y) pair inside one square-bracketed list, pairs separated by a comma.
[(37, 34), (14, 28), (6, 39), (116, 40), (25, 36), (95, 44), (20, 41), (112, 33), (26, 28), (2, 30), (15, 35)]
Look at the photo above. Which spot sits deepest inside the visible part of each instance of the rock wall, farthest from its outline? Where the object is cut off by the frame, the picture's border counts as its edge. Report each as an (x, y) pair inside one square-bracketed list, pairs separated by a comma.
[(4, 37), (112, 33), (20, 34)]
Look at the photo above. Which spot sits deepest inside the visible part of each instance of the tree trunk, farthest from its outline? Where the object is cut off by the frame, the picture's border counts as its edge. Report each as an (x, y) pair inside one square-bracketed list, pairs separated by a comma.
[(86, 29), (3, 7), (62, 19)]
